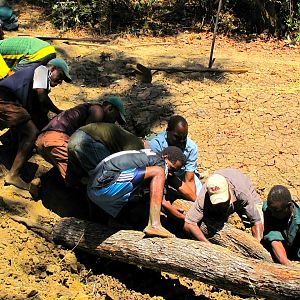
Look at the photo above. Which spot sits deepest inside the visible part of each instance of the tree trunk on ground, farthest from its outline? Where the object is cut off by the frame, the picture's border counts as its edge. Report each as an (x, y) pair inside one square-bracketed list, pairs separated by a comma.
[(208, 263), (228, 236), (205, 262), (235, 239)]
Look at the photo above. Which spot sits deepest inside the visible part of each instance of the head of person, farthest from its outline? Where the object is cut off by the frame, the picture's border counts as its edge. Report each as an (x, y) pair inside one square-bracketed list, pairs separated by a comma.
[(59, 71), (218, 191), (174, 158), (279, 202), (177, 132), (114, 110)]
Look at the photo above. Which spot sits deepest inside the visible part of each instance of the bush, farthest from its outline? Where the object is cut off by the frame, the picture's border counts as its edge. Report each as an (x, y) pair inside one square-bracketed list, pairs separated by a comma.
[(169, 16)]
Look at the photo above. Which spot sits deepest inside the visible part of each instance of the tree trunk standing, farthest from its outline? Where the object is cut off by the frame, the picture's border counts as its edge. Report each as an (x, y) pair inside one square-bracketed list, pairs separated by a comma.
[(267, 14), (208, 263)]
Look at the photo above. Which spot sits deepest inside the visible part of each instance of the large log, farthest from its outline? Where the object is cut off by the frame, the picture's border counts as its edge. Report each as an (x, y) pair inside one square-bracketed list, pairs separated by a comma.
[(228, 236), (211, 264)]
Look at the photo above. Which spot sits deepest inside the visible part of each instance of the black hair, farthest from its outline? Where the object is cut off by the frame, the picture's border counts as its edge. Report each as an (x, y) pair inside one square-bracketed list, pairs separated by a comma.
[(279, 193), (174, 121), (174, 153)]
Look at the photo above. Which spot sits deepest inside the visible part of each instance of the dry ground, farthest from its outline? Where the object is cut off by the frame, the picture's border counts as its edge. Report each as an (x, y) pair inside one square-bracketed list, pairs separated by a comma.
[(248, 121)]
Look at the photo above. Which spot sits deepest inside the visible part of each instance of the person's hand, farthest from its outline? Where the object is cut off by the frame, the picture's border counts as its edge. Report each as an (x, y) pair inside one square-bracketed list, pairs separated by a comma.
[(180, 210), (183, 206)]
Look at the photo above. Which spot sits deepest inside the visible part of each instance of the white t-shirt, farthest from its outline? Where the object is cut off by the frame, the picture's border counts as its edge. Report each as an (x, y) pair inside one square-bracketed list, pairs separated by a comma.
[(41, 78)]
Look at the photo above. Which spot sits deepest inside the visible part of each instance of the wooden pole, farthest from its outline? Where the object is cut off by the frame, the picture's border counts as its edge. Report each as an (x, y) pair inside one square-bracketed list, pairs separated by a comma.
[(211, 59), (68, 39)]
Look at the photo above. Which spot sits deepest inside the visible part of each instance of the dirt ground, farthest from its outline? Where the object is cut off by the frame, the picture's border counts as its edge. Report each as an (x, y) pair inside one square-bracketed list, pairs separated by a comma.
[(248, 121)]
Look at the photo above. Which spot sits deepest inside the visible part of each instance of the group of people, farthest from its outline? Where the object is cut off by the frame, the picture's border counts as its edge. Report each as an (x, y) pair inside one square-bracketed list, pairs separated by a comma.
[(88, 145)]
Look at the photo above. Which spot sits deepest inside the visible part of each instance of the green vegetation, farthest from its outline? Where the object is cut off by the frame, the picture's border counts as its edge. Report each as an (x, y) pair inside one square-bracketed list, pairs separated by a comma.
[(162, 17)]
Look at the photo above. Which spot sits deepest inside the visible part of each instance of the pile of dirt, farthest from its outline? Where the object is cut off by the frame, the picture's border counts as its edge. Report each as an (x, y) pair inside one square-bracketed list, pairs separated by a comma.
[(248, 121)]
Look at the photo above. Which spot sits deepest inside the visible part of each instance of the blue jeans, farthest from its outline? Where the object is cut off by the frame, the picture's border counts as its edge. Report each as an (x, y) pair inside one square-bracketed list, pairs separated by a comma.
[(84, 153)]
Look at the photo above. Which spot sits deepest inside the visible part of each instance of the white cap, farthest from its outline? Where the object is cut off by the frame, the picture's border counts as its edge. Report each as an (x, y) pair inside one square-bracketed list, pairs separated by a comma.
[(217, 187)]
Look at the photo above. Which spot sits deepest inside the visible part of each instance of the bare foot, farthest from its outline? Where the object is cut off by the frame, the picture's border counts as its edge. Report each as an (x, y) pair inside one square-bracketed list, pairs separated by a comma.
[(16, 181), (34, 187), (158, 231)]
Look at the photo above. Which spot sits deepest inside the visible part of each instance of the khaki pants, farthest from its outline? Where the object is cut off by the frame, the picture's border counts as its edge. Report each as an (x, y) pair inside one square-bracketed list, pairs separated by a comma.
[(53, 147)]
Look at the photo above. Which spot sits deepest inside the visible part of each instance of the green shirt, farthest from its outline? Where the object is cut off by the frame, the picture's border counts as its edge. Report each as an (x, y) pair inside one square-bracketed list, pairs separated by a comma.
[(285, 230), (17, 49), (19, 45), (115, 138)]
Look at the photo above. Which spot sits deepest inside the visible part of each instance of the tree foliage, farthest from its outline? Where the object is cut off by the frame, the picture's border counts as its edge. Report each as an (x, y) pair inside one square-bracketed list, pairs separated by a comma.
[(160, 17)]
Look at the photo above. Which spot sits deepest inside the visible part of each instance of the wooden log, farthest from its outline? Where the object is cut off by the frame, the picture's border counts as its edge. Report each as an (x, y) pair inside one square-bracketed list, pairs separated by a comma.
[(209, 263), (228, 236)]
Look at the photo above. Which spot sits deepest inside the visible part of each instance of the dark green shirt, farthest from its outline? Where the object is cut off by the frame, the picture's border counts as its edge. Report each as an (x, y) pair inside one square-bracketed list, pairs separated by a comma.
[(285, 230), (115, 138)]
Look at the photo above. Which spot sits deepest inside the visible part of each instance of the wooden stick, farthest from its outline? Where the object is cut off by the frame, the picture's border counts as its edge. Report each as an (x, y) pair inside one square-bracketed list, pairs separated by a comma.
[(149, 44), (68, 39), (201, 70), (86, 44), (211, 60)]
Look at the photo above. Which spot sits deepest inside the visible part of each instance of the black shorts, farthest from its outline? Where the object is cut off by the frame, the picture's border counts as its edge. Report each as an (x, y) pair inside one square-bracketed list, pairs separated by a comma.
[(11, 113)]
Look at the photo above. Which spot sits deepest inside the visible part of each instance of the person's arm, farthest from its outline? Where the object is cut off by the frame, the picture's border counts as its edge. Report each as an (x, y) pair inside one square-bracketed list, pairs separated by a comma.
[(194, 216), (194, 231), (181, 187), (280, 253), (189, 179), (41, 85), (187, 192), (190, 167), (46, 102), (188, 188), (257, 231), (172, 210)]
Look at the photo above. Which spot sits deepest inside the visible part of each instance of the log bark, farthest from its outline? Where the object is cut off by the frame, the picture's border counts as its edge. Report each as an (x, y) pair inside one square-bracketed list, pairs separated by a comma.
[(209, 263), (228, 236), (235, 239)]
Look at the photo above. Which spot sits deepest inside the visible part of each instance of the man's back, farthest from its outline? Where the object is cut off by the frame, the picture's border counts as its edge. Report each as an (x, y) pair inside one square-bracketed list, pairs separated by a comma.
[(111, 166), (69, 120), (21, 84), (115, 138), (16, 48)]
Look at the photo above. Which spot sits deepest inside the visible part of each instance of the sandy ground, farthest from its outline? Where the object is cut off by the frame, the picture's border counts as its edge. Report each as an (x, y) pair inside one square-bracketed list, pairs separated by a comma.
[(248, 121)]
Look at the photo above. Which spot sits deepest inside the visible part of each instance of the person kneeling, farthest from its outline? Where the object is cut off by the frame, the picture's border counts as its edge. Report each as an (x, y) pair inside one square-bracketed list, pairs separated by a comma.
[(282, 225), (119, 177)]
